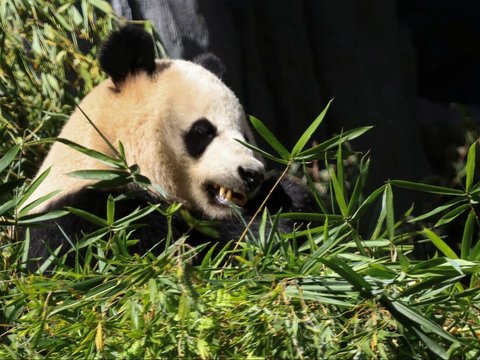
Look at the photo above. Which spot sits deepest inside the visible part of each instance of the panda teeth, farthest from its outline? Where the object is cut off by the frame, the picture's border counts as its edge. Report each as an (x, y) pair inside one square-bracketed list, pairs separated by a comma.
[(227, 196)]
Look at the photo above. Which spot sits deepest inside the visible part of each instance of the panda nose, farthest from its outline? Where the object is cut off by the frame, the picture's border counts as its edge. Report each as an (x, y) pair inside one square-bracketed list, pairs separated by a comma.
[(252, 178)]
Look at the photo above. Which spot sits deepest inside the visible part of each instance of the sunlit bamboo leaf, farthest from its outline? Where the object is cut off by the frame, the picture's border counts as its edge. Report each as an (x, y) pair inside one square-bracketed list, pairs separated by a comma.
[(98, 174), (92, 153), (101, 5)]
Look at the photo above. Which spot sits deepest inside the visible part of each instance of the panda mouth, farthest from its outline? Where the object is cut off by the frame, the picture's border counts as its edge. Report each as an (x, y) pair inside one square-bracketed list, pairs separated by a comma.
[(226, 196)]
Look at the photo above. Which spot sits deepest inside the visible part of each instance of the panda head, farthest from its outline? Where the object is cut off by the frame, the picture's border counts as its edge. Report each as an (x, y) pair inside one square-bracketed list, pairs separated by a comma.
[(179, 122)]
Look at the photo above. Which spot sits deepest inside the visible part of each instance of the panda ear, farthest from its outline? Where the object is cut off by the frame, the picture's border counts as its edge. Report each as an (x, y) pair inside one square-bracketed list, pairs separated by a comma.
[(128, 50), (212, 63)]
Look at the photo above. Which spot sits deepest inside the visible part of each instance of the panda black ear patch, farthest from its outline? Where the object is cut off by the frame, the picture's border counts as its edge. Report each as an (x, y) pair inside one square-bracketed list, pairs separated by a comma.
[(212, 63), (128, 50)]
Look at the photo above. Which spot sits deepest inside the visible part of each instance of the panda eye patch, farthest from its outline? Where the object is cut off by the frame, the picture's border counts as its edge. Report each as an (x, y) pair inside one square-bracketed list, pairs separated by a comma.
[(199, 136)]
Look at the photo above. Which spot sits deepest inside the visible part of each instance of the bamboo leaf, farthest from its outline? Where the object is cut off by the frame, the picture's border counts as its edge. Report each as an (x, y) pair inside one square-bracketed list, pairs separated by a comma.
[(98, 174), (263, 153), (37, 202), (468, 235), (135, 215), (107, 142), (359, 185), (432, 345), (384, 212), (92, 153), (368, 201), (302, 141), (110, 209), (340, 176), (433, 189), (470, 167), (102, 5), (437, 210), (389, 214), (404, 261), (87, 216), (475, 253), (9, 157), (452, 215), (348, 274), (311, 216), (440, 244), (33, 186), (332, 143), (327, 154), (42, 217), (270, 138), (339, 195), (47, 263), (7, 205), (421, 320)]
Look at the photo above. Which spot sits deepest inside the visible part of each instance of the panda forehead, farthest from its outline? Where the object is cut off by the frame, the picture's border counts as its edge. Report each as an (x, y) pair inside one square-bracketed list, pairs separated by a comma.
[(196, 93), (190, 73)]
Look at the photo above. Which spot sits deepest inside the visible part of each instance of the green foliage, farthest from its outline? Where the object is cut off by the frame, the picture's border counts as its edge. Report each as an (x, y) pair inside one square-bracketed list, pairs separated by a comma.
[(43, 70), (463, 204), (346, 286)]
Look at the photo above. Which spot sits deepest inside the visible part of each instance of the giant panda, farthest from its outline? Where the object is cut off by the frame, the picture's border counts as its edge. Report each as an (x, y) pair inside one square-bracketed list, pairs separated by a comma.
[(181, 125)]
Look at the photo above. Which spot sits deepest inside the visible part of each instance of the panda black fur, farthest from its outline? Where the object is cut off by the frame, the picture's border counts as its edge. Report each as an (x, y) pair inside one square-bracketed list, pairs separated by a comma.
[(179, 123)]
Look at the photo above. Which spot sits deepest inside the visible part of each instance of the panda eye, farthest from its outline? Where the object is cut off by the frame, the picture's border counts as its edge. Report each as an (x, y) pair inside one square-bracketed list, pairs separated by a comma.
[(199, 136)]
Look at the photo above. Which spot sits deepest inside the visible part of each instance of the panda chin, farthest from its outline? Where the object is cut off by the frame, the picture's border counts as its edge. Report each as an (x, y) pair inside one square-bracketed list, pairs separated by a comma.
[(225, 197)]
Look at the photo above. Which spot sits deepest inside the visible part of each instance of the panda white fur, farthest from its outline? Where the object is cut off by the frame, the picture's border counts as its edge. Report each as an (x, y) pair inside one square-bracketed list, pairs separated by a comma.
[(180, 124)]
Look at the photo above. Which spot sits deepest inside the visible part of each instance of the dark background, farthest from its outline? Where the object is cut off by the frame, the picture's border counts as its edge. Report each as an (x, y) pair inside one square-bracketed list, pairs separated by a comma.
[(397, 65)]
